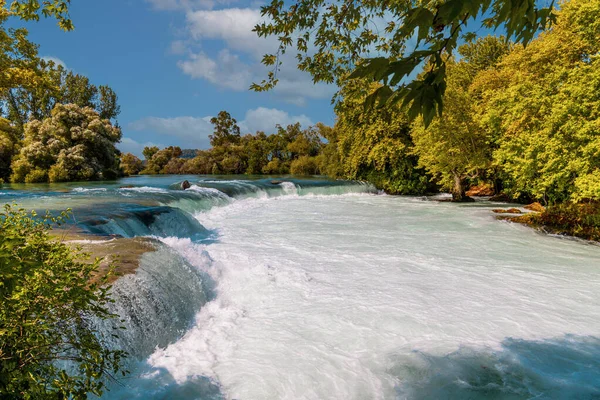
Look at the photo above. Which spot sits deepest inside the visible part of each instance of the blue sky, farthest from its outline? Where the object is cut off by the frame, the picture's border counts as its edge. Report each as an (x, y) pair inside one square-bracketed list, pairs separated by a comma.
[(176, 63)]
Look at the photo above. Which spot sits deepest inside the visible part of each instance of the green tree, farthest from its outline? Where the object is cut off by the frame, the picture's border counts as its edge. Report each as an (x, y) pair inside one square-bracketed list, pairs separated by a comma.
[(149, 152), (455, 147), (226, 130), (9, 146), (50, 298), (334, 38), (375, 146), (130, 164), (73, 144), (543, 105), (160, 159)]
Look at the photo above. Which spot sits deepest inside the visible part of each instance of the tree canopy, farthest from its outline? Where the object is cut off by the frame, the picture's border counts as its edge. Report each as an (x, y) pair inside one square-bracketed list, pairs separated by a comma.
[(376, 39)]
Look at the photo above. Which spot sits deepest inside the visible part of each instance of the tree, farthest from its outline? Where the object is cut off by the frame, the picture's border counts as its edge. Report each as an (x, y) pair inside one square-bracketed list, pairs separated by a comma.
[(335, 38), (226, 130), (74, 144), (542, 104), (50, 298), (130, 164), (149, 152), (375, 146), (455, 147), (160, 159), (53, 85), (9, 145)]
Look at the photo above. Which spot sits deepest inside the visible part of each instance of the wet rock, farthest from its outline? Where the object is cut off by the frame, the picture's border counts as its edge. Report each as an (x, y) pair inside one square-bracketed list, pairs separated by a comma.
[(276, 182), (501, 198), (126, 187), (481, 190), (507, 211), (537, 207), (185, 185)]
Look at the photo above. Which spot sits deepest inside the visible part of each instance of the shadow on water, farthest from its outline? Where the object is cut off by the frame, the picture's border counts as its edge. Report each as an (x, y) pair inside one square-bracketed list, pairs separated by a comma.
[(159, 384), (564, 368)]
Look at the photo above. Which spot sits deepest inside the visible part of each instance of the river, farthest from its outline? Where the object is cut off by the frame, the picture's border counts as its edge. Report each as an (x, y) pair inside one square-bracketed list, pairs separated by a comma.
[(316, 289)]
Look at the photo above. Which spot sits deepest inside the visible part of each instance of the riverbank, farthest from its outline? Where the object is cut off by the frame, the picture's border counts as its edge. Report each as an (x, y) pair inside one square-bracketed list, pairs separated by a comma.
[(577, 220)]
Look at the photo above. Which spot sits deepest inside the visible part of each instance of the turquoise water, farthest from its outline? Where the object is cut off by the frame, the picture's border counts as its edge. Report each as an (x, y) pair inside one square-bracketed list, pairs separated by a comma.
[(310, 289)]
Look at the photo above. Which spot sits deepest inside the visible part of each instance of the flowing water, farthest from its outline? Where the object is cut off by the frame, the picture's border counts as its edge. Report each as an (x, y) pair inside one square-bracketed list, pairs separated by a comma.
[(315, 289)]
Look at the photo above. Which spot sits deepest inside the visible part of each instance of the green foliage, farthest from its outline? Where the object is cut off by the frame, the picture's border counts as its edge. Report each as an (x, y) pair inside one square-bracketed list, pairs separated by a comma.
[(580, 220), (50, 299), (542, 104), (74, 144), (30, 10), (233, 153), (130, 164), (9, 146), (226, 130), (454, 147), (333, 39), (159, 159), (374, 146), (305, 165), (55, 85)]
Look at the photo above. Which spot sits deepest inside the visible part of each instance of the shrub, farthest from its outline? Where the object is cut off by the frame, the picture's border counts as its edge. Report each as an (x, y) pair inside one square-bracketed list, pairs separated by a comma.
[(49, 301)]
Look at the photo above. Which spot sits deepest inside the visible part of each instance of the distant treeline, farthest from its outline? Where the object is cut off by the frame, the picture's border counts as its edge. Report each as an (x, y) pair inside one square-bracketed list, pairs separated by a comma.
[(291, 150)]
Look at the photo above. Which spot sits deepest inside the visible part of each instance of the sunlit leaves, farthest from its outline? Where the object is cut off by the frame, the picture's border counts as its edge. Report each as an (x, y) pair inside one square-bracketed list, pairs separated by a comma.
[(51, 295), (31, 10), (338, 38)]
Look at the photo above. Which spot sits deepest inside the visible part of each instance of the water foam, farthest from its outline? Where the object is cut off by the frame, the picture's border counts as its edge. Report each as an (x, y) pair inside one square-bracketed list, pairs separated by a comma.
[(355, 297)]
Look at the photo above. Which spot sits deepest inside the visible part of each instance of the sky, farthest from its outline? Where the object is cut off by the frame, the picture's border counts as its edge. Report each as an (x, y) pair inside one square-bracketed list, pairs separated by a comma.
[(176, 63)]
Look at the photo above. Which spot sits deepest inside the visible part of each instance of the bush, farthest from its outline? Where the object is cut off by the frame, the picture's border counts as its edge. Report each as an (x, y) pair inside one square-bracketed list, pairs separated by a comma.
[(304, 165), (50, 300), (581, 220)]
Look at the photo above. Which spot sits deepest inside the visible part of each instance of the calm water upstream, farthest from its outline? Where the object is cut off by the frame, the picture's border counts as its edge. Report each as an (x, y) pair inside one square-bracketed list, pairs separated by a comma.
[(313, 289)]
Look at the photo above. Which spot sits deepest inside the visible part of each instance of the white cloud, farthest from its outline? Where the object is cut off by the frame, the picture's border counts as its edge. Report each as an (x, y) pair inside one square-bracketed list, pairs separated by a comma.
[(129, 145), (172, 5), (265, 119), (233, 26), (237, 64), (227, 70), (192, 132), (56, 61)]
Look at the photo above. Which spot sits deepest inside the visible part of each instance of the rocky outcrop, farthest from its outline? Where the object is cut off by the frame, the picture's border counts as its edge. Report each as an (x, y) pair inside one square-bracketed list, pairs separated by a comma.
[(537, 207), (185, 185), (507, 211), (125, 253), (501, 197), (481, 190)]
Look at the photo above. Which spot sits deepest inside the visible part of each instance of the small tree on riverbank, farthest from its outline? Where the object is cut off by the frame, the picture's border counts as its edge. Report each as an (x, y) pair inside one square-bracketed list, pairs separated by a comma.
[(48, 302), (75, 144)]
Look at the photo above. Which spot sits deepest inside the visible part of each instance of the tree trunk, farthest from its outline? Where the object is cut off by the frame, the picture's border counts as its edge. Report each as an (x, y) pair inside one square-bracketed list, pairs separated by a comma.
[(458, 193)]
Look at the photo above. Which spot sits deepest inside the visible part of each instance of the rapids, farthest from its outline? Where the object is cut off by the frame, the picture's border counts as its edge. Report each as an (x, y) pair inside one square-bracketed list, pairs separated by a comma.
[(314, 289)]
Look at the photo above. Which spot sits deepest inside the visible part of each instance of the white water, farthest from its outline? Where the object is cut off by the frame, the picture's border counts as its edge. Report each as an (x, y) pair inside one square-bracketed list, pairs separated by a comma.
[(379, 297)]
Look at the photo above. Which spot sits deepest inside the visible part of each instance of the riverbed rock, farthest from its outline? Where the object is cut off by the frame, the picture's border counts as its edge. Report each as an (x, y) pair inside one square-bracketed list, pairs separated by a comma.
[(501, 197), (507, 211), (481, 190), (537, 207), (125, 253), (276, 182), (126, 187), (185, 185)]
